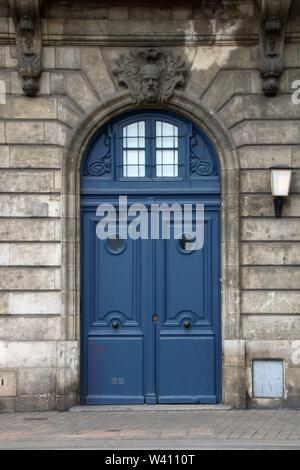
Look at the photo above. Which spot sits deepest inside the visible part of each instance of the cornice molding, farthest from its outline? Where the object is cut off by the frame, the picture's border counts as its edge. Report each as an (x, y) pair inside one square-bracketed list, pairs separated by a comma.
[(26, 16), (273, 18)]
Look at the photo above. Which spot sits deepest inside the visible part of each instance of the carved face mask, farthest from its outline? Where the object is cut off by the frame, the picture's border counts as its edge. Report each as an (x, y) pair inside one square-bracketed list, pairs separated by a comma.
[(150, 74)]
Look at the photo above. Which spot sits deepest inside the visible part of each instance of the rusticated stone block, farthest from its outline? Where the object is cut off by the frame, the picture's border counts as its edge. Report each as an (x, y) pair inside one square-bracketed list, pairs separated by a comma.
[(24, 108), (27, 205), (29, 278), (19, 354), (270, 230), (56, 134), (234, 353), (14, 181), (277, 253), (30, 303), (270, 301), (35, 157), (271, 327), (37, 381), (255, 157), (4, 156), (19, 132), (30, 230), (265, 277)]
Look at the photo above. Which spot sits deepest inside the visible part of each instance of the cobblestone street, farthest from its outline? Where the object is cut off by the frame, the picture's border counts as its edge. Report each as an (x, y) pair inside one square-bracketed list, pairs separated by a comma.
[(150, 428)]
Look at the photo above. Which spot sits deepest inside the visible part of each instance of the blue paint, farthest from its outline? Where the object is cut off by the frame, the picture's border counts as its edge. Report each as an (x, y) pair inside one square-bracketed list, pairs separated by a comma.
[(126, 356)]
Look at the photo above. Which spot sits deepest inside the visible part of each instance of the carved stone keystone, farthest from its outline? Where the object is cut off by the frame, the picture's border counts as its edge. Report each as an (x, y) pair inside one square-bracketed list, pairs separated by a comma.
[(26, 15), (274, 14), (151, 76)]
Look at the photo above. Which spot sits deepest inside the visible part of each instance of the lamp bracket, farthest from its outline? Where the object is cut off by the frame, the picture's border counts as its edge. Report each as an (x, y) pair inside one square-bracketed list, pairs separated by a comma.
[(278, 203)]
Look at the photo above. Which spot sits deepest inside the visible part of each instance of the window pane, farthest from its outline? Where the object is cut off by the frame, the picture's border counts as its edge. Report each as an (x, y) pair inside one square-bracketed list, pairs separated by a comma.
[(134, 149), (166, 135), (167, 163), (166, 160), (133, 163), (134, 135)]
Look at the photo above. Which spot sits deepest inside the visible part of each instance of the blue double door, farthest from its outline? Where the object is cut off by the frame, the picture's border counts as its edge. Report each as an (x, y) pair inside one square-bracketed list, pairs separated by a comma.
[(150, 313)]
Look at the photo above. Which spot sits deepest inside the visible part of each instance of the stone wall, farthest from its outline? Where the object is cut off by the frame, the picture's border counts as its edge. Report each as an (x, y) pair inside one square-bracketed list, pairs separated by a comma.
[(39, 334)]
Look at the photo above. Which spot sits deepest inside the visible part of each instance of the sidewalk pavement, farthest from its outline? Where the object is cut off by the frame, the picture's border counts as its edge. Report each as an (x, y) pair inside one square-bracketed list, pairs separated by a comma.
[(151, 427)]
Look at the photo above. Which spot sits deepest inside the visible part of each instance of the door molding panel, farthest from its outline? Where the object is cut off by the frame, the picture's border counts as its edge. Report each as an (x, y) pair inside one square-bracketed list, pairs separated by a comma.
[(191, 108)]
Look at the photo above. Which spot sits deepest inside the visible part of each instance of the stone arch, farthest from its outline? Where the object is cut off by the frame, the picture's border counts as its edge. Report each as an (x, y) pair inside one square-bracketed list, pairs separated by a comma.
[(191, 108)]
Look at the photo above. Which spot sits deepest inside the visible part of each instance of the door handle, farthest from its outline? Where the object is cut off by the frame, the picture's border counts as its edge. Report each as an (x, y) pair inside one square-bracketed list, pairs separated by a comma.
[(115, 324), (154, 317), (187, 324)]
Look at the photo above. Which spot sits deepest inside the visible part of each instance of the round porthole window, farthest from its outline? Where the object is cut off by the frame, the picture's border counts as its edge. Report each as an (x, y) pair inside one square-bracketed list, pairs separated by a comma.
[(116, 245)]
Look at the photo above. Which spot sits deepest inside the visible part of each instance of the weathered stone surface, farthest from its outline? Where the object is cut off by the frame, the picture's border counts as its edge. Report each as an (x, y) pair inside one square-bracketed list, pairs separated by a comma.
[(35, 157), (263, 205), (37, 381), (29, 278), (27, 354), (19, 132), (8, 384), (68, 354), (2, 133), (292, 380), (234, 353), (57, 83), (266, 132), (56, 133), (95, 68), (4, 156), (25, 108), (4, 254), (246, 107), (34, 254), (271, 327), (27, 181), (265, 277), (27, 205), (35, 403), (68, 113), (30, 230), (48, 57), (270, 230), (80, 91), (67, 58), (270, 301), (226, 84), (30, 328), (265, 156), (296, 157), (270, 253), (10, 57), (289, 351), (30, 303)]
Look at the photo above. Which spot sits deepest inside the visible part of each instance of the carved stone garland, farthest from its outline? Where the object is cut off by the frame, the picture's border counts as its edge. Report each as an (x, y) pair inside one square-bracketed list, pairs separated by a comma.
[(274, 14), (26, 14), (150, 75)]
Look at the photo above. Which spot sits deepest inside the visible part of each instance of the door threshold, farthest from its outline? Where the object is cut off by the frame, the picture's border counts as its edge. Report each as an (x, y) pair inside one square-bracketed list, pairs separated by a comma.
[(174, 407)]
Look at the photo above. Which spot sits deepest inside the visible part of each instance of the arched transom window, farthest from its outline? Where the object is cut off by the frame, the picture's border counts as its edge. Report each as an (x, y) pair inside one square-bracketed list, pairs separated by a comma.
[(150, 146)]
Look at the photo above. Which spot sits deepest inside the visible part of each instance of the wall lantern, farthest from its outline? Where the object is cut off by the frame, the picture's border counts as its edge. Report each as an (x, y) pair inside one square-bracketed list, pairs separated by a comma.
[(281, 176)]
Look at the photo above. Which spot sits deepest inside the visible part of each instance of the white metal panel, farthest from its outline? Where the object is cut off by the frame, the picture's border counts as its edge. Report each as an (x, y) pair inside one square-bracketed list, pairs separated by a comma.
[(268, 379)]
